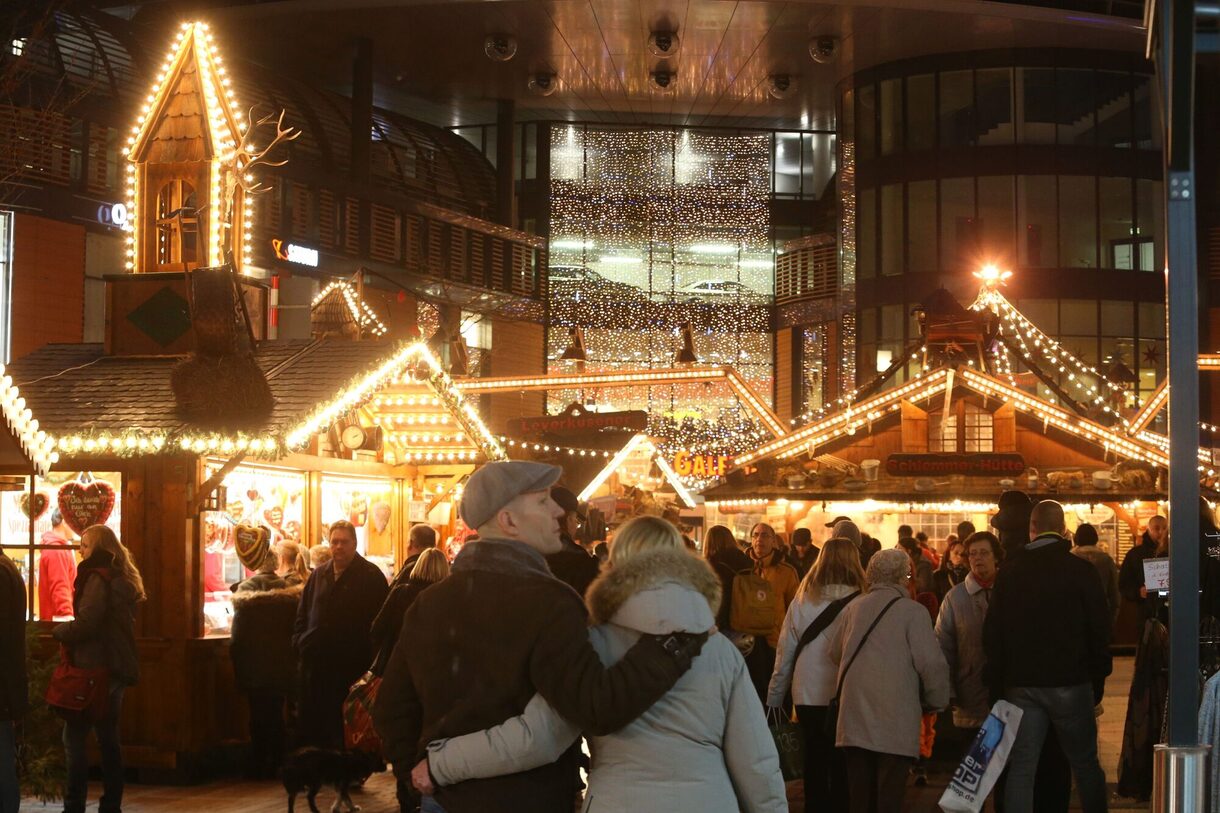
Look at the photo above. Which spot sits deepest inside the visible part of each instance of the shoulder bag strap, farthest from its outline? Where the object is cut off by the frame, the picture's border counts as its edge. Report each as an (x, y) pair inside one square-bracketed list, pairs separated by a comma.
[(868, 632), (824, 620)]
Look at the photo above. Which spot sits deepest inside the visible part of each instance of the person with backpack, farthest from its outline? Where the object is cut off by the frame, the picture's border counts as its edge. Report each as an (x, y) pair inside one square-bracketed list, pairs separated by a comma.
[(101, 636), (802, 663), (760, 602)]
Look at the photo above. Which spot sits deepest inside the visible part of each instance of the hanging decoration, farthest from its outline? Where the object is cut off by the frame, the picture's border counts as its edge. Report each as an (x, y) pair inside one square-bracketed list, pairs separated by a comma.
[(85, 501), (34, 507)]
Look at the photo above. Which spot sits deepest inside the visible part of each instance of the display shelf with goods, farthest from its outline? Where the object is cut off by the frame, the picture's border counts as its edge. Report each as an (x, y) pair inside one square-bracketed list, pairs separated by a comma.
[(372, 505)]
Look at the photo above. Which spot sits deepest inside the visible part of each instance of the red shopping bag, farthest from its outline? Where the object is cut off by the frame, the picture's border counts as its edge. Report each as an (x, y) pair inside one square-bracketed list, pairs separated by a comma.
[(73, 691), (358, 731)]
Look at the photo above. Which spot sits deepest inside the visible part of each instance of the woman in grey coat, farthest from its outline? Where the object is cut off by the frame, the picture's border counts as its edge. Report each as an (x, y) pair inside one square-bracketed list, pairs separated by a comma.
[(102, 634), (959, 628), (887, 683), (704, 746)]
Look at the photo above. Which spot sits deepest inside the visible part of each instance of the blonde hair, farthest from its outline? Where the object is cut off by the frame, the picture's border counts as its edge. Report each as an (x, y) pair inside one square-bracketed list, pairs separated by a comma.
[(642, 534), (291, 553), (319, 555), (838, 563), (432, 566), (106, 539)]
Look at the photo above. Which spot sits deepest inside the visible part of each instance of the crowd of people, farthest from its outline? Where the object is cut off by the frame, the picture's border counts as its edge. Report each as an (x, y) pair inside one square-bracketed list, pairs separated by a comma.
[(666, 662)]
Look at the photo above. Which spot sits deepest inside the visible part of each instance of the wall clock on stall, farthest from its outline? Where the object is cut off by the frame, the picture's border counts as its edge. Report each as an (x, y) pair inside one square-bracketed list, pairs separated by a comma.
[(353, 437)]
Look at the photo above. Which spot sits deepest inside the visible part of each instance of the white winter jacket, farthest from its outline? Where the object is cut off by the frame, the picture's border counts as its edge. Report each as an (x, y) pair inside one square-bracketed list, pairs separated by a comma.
[(703, 747), (813, 683)]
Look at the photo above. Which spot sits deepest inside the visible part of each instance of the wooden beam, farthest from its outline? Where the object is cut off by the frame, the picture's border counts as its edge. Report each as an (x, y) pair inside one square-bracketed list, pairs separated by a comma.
[(209, 485)]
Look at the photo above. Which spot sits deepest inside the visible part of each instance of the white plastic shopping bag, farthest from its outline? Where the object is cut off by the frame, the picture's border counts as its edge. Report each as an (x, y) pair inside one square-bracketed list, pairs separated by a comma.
[(984, 761)]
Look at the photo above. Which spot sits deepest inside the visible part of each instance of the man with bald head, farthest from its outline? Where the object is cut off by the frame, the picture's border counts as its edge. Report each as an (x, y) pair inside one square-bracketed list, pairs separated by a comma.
[(1046, 637)]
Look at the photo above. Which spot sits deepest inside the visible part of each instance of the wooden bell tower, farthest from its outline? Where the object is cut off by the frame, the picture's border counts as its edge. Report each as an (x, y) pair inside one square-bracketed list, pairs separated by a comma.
[(189, 209)]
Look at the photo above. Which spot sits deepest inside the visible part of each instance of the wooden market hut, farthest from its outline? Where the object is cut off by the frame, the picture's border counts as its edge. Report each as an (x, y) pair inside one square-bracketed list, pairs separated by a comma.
[(113, 414)]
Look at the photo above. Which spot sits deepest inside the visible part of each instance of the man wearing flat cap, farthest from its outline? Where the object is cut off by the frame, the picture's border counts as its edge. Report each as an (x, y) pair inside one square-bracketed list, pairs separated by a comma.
[(477, 646), (572, 565)]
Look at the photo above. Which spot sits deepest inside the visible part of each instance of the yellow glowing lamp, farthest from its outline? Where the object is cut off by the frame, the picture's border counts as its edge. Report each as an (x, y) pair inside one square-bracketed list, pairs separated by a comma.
[(991, 276)]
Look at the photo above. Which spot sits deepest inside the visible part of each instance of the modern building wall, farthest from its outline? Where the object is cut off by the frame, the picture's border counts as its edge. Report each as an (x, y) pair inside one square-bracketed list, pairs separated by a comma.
[(48, 299)]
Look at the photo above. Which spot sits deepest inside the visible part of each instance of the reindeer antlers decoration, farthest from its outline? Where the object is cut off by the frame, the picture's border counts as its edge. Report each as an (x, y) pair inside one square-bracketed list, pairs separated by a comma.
[(243, 159)]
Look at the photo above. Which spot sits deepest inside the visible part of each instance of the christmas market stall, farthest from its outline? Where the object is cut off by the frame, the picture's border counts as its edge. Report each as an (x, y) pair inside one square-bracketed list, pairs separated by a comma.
[(187, 430)]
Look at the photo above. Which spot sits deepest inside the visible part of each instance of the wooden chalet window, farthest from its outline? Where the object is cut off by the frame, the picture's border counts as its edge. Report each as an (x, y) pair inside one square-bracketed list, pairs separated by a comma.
[(178, 225), (46, 553), (968, 429)]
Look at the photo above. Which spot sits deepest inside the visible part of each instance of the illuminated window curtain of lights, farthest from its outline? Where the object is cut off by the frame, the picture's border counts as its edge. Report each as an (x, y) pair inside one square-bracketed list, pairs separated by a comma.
[(814, 347), (652, 229), (6, 284)]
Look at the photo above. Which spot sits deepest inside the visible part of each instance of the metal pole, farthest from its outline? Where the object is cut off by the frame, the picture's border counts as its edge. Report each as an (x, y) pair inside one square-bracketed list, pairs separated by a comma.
[(1179, 768)]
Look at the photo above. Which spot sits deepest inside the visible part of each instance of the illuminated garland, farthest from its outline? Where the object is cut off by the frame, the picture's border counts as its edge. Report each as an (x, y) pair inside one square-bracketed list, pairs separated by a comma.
[(37, 446), (643, 214), (361, 313)]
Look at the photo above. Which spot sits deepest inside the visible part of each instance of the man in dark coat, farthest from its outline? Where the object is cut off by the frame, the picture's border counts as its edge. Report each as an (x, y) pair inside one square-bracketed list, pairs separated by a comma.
[(331, 635), (477, 646), (419, 539), (13, 685), (1046, 637), (804, 554), (1131, 574), (572, 565)]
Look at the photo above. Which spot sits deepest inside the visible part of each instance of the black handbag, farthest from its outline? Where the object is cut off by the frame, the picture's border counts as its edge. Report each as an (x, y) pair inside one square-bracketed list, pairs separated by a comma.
[(831, 725)]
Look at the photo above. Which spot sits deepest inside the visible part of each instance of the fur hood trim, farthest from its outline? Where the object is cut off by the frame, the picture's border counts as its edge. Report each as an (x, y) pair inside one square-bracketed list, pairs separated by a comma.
[(248, 598), (677, 583)]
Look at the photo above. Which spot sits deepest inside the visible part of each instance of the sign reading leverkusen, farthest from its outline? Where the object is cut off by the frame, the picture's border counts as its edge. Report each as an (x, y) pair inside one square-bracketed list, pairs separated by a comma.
[(981, 464), (577, 422)]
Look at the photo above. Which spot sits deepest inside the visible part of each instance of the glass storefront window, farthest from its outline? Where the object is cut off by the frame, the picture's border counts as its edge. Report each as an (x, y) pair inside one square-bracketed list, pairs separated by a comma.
[(993, 94), (1150, 214), (255, 496), (891, 116), (1035, 98), (1117, 318), (1074, 109), (866, 235), (921, 226), (1037, 224), (866, 121), (891, 230), (1152, 320), (367, 503), (1119, 241), (1147, 135), (959, 235), (62, 505), (921, 112), (1113, 108), (1078, 316), (956, 108), (1042, 312), (787, 164), (1078, 222)]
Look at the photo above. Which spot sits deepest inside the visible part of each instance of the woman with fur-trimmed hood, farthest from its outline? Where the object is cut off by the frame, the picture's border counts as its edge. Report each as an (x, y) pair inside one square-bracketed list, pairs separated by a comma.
[(703, 746), (264, 662)]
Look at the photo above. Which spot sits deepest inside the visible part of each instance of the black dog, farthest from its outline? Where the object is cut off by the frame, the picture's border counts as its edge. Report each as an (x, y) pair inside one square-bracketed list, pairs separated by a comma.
[(311, 768)]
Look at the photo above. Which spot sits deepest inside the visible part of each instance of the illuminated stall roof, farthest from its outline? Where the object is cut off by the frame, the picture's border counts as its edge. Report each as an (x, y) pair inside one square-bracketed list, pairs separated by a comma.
[(94, 404), (640, 450)]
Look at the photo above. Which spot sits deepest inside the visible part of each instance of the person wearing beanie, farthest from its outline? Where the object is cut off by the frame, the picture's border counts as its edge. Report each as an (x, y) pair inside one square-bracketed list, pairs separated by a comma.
[(1012, 522), (501, 628), (1086, 548), (804, 554)]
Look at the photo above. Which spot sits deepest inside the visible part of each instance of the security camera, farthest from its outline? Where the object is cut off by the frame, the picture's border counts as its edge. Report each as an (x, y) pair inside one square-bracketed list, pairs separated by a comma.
[(543, 84), (664, 80), (663, 44), (500, 47), (781, 84), (824, 50)]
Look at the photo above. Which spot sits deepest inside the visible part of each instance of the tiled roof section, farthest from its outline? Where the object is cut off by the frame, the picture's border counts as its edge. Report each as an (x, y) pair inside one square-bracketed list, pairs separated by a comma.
[(317, 376), (76, 389)]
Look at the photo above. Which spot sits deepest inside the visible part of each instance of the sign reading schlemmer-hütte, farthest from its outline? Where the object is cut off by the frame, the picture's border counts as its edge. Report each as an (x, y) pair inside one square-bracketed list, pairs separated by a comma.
[(575, 420), (980, 464)]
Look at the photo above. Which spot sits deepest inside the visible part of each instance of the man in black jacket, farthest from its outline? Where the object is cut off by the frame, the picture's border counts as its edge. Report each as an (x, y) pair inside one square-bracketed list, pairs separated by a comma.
[(477, 646), (331, 635), (13, 686), (419, 539), (1131, 574), (572, 565), (1046, 637)]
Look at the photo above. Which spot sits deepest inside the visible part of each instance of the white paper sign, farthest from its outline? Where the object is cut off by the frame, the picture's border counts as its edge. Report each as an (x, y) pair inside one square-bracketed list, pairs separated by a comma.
[(1156, 574)]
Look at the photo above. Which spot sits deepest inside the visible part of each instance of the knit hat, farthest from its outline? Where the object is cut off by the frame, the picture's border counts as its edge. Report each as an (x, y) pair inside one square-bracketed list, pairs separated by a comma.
[(497, 484), (253, 545), (847, 529), (1015, 508)]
